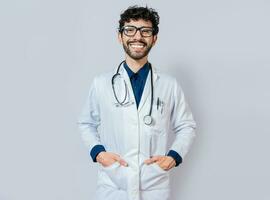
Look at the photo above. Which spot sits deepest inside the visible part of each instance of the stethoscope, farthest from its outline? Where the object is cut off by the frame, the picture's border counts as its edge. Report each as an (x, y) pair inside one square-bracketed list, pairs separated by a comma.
[(147, 118)]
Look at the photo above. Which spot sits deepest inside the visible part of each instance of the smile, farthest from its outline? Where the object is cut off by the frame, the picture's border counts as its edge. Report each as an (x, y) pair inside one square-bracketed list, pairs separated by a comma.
[(137, 45)]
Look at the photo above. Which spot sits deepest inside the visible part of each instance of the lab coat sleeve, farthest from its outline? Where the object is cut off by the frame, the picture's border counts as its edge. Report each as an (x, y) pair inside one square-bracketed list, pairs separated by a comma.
[(182, 122), (89, 120)]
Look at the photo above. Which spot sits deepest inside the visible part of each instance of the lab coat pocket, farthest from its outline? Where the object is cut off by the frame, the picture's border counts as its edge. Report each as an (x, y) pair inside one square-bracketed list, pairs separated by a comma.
[(118, 175), (112, 166), (159, 168), (154, 177)]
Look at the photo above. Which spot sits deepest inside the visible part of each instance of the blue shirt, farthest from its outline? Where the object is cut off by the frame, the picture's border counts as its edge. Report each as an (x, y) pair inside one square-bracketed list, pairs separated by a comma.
[(138, 80)]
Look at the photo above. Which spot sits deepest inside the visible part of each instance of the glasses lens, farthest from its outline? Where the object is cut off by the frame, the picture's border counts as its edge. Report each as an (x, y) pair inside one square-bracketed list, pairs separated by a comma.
[(146, 32), (129, 30)]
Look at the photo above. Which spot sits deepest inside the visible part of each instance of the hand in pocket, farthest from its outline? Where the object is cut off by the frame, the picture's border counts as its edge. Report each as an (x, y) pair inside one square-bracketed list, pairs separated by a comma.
[(164, 162), (106, 159)]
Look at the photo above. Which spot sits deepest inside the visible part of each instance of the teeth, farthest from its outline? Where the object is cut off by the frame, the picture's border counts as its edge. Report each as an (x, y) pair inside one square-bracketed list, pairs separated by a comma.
[(137, 45)]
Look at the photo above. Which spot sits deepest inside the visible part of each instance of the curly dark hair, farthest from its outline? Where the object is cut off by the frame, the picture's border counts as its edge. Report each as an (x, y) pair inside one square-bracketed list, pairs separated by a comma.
[(136, 13)]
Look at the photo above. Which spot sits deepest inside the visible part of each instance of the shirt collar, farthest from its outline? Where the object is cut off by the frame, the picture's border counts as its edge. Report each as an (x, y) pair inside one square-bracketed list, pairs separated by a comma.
[(142, 72)]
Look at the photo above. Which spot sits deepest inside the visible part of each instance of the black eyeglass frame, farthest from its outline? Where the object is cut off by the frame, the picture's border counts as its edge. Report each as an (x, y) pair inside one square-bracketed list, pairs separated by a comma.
[(137, 28)]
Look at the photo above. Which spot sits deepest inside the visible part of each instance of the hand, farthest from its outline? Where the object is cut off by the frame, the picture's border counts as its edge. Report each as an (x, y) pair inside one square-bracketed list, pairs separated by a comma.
[(107, 158), (165, 162)]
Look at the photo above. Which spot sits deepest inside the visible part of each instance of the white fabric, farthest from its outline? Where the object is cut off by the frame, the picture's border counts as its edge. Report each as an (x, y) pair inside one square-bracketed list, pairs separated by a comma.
[(121, 130)]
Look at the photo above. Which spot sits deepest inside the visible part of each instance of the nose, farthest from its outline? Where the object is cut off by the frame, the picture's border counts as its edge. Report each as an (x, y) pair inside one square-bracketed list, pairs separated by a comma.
[(137, 35)]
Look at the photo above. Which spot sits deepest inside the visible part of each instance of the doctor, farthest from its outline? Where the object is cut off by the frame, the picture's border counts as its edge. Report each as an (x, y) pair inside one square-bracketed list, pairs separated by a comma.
[(129, 114)]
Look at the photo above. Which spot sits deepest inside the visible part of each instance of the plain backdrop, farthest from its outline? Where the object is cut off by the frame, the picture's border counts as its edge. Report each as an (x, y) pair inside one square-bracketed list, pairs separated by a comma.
[(51, 50)]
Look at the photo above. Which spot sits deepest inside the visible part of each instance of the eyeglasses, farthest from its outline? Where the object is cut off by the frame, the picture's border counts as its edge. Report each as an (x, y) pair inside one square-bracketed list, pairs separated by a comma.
[(132, 30)]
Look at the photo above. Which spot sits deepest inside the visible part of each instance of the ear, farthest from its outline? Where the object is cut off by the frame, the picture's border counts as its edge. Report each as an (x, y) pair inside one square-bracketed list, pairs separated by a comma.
[(154, 39), (120, 38)]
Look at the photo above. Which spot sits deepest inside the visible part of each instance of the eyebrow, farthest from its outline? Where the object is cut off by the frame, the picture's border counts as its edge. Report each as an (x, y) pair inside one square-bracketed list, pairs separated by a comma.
[(138, 27)]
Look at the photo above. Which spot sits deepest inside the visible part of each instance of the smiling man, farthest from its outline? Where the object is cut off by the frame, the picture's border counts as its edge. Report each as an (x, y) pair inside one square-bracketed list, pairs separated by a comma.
[(137, 46), (136, 107)]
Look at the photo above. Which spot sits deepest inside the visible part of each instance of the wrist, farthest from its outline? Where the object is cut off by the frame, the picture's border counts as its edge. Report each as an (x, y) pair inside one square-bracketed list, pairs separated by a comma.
[(96, 150), (177, 158)]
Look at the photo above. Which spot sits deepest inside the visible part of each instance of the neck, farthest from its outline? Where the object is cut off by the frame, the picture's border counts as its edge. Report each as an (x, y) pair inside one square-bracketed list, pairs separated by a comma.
[(136, 65)]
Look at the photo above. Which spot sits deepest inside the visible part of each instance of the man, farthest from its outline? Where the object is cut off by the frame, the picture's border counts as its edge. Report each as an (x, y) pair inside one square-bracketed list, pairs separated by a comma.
[(135, 109)]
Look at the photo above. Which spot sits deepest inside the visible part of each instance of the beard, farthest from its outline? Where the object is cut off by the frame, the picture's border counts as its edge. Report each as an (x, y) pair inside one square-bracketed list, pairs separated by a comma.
[(137, 55)]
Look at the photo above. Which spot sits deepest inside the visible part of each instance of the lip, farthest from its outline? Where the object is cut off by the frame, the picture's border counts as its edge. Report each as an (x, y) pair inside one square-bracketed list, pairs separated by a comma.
[(137, 43)]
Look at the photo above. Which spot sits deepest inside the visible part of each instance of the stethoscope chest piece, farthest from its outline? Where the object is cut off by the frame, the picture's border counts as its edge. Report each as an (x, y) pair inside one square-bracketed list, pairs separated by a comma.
[(148, 119)]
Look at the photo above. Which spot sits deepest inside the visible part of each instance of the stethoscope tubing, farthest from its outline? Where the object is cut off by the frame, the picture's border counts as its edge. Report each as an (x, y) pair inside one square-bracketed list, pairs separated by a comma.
[(122, 103)]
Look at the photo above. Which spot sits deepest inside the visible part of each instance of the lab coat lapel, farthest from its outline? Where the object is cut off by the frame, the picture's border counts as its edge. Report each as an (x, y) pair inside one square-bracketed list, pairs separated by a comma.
[(147, 88)]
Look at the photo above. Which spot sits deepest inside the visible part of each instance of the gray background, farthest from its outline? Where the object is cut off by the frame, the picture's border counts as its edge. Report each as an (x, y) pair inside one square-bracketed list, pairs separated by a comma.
[(50, 51)]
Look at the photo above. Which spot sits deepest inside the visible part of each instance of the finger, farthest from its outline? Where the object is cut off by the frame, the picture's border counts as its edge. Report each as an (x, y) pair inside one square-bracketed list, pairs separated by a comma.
[(165, 163), (120, 160), (149, 161), (123, 163), (152, 160), (161, 161), (172, 161), (172, 165), (169, 163), (168, 167), (115, 156), (162, 165)]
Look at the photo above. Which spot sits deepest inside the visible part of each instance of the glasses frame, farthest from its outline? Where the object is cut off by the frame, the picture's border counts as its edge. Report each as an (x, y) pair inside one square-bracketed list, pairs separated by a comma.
[(137, 28)]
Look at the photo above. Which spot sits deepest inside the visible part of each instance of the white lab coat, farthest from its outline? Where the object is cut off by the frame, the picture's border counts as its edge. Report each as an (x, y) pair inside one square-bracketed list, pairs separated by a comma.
[(121, 130)]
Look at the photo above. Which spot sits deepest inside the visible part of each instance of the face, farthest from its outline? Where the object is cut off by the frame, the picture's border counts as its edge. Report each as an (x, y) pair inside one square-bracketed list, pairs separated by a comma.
[(137, 46)]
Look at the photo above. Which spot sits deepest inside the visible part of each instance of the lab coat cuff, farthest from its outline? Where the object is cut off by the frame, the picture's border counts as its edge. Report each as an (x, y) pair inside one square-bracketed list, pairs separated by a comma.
[(96, 150), (175, 156)]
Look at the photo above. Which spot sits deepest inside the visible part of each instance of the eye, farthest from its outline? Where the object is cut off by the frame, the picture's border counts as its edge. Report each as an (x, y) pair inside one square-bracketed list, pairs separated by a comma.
[(147, 31), (129, 29)]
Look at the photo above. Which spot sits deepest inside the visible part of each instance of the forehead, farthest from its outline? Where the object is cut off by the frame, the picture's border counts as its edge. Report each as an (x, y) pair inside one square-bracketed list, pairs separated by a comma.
[(139, 23)]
